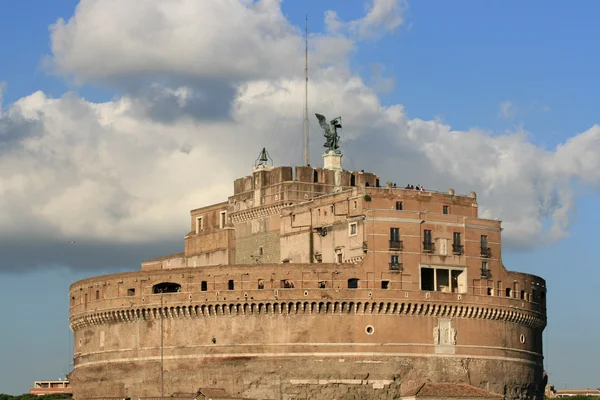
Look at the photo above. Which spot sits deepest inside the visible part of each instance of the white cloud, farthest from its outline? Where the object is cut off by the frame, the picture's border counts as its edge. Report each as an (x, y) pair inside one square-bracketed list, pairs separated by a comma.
[(226, 40), (382, 16), (128, 170)]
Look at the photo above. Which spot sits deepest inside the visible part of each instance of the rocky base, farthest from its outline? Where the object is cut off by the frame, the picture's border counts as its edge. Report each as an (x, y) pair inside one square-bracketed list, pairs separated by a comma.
[(304, 378)]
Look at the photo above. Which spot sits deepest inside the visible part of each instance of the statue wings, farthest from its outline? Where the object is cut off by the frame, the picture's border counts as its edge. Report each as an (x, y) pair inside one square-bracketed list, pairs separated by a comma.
[(323, 122)]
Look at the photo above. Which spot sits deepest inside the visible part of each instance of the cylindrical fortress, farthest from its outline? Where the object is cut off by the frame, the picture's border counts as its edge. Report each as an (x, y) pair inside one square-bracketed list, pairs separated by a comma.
[(316, 284), (302, 341)]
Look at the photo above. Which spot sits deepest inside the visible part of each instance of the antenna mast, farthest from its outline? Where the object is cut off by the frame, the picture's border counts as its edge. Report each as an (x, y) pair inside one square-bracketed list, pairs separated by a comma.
[(306, 161)]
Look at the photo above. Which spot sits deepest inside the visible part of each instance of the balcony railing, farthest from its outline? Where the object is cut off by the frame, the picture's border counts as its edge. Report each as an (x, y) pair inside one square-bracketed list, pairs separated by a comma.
[(486, 273), (486, 252), (396, 245), (428, 247), (396, 267), (458, 249)]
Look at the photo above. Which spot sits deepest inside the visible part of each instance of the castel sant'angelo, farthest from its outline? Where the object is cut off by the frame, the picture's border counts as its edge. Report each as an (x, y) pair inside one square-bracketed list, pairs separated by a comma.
[(317, 283)]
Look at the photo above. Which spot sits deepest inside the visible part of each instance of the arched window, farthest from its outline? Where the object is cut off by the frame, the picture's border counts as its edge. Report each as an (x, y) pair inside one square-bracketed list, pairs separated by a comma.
[(352, 180), (315, 176), (166, 287)]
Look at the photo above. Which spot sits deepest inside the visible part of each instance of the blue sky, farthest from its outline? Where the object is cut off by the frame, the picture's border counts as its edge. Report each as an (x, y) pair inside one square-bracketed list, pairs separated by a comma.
[(498, 67)]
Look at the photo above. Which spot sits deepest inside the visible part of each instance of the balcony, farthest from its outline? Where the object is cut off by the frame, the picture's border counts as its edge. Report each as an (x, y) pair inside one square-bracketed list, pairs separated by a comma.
[(486, 252), (486, 273), (396, 245), (396, 267), (428, 247), (458, 249)]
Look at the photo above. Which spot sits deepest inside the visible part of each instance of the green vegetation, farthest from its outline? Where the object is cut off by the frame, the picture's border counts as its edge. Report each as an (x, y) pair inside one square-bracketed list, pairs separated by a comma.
[(34, 397), (367, 197)]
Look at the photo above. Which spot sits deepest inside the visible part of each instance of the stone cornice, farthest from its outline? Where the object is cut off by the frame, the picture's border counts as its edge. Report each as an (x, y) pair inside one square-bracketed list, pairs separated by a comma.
[(326, 307), (257, 212)]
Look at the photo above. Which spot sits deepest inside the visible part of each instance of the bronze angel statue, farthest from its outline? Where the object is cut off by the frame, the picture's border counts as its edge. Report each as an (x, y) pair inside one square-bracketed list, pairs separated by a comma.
[(330, 131)]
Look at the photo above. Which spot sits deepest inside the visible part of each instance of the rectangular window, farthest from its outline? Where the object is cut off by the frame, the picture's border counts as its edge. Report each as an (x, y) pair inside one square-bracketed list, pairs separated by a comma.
[(223, 219), (457, 238), (457, 247), (385, 284), (427, 236), (230, 285), (203, 286), (260, 251), (485, 250), (484, 266), (399, 206), (395, 242), (131, 292), (446, 210), (199, 224), (427, 241), (395, 260), (97, 294), (352, 229)]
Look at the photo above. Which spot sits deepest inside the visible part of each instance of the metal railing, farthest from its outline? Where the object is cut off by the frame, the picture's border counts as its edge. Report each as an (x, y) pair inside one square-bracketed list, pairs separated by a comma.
[(458, 249), (396, 267), (428, 247), (396, 245), (486, 252)]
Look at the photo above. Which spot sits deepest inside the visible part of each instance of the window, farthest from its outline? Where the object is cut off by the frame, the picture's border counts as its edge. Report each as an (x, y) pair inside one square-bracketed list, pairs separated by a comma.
[(385, 284), (355, 204), (457, 247), (166, 287), (352, 229), (97, 294), (508, 293), (199, 224), (261, 284), (315, 176), (131, 292), (399, 206), (203, 286), (230, 284), (395, 264), (446, 210), (427, 241), (260, 251), (322, 284), (395, 242), (287, 284), (352, 180), (485, 272), (223, 219), (457, 238), (353, 283), (427, 279), (485, 250)]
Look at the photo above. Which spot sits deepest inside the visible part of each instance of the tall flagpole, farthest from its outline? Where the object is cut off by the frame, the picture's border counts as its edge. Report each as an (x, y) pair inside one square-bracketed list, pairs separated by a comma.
[(306, 160)]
